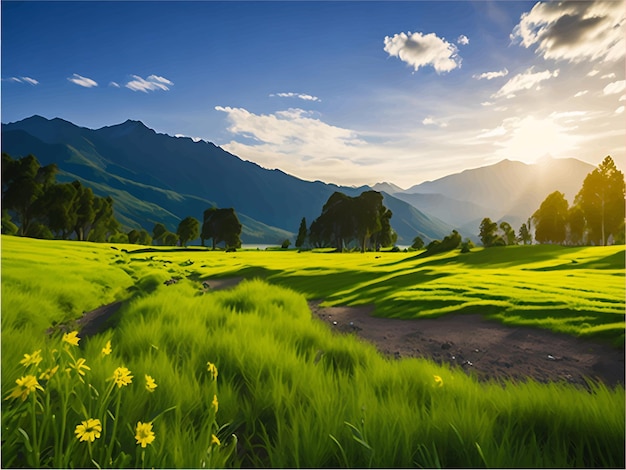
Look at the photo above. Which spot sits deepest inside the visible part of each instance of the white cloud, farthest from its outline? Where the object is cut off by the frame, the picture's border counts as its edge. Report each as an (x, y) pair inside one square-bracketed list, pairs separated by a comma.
[(30, 81), (614, 88), (524, 81), (489, 133), (114, 84), (302, 96), (581, 93), (463, 40), (82, 81), (608, 75), (491, 75), (152, 83), (183, 136), (622, 98), (574, 31), (420, 50), (430, 121), (593, 73), (619, 110), (487, 103)]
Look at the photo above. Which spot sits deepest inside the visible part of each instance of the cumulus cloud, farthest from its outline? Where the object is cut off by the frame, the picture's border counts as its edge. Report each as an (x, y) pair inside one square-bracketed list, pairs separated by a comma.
[(152, 83), (419, 50), (524, 81), (82, 81), (491, 75), (28, 80), (302, 96), (574, 31), (463, 40), (614, 88)]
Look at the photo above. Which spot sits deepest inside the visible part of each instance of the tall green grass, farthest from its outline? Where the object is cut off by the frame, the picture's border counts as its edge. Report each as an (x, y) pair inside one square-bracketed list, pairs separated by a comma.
[(293, 393)]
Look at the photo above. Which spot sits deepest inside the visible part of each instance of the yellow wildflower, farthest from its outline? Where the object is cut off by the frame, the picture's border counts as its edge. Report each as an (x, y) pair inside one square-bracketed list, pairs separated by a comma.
[(438, 381), (150, 383), (71, 338), (144, 434), (215, 440), (78, 366), (25, 385), (122, 376), (48, 373), (34, 358), (212, 369), (215, 403), (107, 349), (88, 430)]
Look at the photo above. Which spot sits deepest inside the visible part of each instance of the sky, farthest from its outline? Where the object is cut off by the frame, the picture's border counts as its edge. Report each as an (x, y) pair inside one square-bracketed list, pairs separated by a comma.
[(343, 92)]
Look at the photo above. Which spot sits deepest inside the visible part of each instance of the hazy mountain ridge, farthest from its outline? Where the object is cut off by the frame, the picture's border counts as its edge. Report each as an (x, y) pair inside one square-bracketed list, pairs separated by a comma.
[(159, 178), (507, 190)]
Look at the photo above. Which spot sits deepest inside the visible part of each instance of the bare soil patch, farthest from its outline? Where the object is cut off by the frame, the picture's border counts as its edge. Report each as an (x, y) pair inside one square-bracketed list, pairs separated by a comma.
[(485, 348)]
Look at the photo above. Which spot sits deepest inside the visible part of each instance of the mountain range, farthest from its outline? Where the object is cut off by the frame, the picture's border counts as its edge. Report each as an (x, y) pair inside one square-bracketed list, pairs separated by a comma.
[(159, 178)]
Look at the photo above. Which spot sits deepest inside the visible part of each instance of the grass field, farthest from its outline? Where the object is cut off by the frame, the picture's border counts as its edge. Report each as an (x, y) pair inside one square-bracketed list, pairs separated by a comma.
[(292, 393)]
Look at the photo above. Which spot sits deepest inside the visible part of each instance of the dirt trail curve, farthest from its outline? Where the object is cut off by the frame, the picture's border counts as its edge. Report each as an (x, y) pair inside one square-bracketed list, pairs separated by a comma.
[(486, 348)]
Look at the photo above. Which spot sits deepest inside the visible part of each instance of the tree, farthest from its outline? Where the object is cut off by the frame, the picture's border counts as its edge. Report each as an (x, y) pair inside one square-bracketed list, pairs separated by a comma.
[(104, 223), (169, 239), (285, 244), (524, 235), (302, 232), (23, 183), (449, 243), (576, 223), (551, 219), (157, 232), (601, 199), (344, 219), (60, 201), (8, 227), (139, 237), (508, 233), (488, 232), (188, 229), (418, 243), (84, 210), (221, 225)]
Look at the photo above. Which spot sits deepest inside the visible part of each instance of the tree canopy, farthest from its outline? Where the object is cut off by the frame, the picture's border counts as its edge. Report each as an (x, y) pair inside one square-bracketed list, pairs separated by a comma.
[(188, 229), (362, 219), (221, 225)]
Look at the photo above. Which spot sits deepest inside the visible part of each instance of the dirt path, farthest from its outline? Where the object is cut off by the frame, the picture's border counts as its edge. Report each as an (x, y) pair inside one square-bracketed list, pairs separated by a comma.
[(486, 348)]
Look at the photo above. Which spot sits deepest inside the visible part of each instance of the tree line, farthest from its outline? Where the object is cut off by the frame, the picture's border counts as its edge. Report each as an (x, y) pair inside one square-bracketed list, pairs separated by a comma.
[(35, 205), (596, 216)]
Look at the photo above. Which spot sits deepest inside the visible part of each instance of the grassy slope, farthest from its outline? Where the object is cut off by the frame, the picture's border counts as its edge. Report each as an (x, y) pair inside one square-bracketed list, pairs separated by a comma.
[(286, 383)]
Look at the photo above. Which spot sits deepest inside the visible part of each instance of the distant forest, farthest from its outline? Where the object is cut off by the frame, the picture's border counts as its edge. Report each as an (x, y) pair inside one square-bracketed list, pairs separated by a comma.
[(35, 205)]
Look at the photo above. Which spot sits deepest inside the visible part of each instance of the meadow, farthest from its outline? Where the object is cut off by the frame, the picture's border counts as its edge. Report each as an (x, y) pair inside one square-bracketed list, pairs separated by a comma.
[(290, 392)]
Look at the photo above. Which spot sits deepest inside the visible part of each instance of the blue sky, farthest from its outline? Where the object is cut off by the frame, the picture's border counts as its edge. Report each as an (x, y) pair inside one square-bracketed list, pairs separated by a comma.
[(344, 92)]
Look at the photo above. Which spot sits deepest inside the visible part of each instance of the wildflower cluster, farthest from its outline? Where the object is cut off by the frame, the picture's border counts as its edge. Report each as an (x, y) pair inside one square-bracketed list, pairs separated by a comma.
[(49, 424), (62, 414)]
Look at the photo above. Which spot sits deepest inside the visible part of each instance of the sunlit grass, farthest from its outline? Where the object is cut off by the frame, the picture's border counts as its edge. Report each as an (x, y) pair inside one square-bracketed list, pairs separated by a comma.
[(293, 393)]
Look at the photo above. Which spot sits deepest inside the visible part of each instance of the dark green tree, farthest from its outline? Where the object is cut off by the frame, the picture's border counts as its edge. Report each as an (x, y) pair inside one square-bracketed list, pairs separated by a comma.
[(104, 222), (221, 225), (23, 183), (157, 233), (449, 243), (302, 233), (418, 243), (169, 239), (84, 210), (363, 219), (188, 229), (286, 243), (487, 232), (601, 199), (59, 202), (551, 219)]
